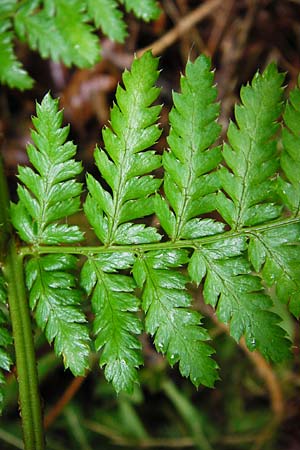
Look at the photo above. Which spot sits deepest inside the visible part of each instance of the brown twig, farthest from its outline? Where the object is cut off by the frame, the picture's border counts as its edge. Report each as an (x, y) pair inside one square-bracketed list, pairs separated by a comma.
[(221, 21), (188, 41), (63, 401), (185, 24)]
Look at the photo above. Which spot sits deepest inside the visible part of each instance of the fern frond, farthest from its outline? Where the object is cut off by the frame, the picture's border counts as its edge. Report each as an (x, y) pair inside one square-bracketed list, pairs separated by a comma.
[(5, 341), (72, 38), (115, 325), (107, 16), (49, 193), (123, 166), (190, 182), (170, 319), (238, 296), (145, 9), (11, 70), (251, 155), (58, 308)]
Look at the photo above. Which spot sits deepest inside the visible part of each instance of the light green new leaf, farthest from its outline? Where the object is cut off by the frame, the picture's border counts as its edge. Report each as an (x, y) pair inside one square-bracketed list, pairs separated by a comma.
[(239, 300), (5, 341), (115, 324), (277, 254), (49, 193), (169, 318), (108, 17), (190, 182), (251, 155), (57, 303), (123, 166), (289, 188), (145, 9), (11, 71)]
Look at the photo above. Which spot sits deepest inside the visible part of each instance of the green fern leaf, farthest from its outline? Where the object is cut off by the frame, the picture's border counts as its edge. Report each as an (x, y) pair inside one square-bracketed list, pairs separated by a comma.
[(72, 39), (290, 158), (11, 71), (251, 156), (170, 319), (108, 17), (58, 308), (145, 9), (7, 7), (122, 166), (50, 193), (5, 341), (190, 182), (239, 299), (115, 324)]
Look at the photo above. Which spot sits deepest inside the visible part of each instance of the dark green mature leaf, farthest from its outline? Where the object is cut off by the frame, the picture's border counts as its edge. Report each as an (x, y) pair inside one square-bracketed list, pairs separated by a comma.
[(190, 182), (146, 9), (123, 167), (239, 300), (276, 253), (11, 71), (108, 17), (7, 7), (72, 38), (50, 193), (170, 319), (251, 156), (115, 324), (57, 303), (290, 158)]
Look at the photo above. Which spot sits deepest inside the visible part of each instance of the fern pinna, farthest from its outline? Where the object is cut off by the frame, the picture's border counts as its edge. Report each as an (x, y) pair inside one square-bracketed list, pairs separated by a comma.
[(228, 215)]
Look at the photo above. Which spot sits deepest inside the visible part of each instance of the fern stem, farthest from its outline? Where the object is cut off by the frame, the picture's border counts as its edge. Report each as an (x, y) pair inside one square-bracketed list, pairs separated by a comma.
[(21, 326), (4, 216), (24, 349), (89, 251)]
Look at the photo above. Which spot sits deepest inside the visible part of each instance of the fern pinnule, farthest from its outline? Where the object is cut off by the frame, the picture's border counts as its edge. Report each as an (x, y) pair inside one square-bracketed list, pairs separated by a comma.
[(251, 156), (50, 193), (169, 317), (145, 9), (190, 180), (11, 70), (115, 325), (123, 165), (57, 302), (276, 254), (107, 15), (239, 299)]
